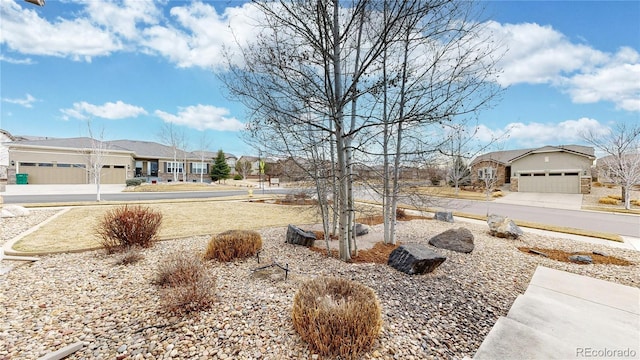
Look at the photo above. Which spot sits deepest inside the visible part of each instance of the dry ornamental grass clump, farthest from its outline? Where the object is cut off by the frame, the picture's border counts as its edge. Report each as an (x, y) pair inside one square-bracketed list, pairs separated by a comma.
[(124, 227), (233, 244), (337, 316), (185, 283), (608, 201)]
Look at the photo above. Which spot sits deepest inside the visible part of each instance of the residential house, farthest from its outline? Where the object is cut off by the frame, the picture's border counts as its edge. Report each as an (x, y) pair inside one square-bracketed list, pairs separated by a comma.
[(66, 161), (548, 169)]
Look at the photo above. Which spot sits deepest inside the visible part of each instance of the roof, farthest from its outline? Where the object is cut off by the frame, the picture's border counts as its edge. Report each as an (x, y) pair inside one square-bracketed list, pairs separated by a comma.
[(502, 157), (70, 143), (148, 149), (580, 150), (508, 156)]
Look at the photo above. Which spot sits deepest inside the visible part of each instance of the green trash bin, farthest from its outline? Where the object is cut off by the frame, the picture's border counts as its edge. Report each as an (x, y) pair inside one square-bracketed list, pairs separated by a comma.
[(22, 179)]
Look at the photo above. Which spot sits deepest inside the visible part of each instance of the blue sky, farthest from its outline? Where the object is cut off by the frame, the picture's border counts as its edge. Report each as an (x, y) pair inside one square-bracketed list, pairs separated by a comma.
[(132, 66)]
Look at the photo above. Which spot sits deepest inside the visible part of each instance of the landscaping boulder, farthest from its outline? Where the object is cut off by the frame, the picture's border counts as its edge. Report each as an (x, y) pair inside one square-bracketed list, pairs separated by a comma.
[(583, 259), (360, 229), (298, 236), (503, 227), (460, 240), (14, 210), (415, 259), (444, 216)]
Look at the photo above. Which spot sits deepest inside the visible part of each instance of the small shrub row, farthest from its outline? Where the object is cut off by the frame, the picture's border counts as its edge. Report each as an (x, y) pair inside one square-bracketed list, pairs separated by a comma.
[(135, 181), (337, 316), (124, 227), (608, 201), (233, 244), (615, 197), (635, 202), (186, 285)]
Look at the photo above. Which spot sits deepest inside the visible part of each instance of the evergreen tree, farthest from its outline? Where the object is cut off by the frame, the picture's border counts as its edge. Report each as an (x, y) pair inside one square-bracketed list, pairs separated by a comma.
[(220, 170)]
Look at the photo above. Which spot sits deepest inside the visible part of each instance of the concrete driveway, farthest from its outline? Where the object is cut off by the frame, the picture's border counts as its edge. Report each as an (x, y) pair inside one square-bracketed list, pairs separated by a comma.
[(547, 200)]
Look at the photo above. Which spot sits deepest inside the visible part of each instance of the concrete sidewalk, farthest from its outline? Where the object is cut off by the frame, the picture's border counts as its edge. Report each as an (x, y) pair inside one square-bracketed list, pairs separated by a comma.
[(567, 316)]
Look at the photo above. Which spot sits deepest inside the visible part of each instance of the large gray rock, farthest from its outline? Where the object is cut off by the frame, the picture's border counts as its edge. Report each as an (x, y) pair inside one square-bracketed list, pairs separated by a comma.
[(583, 259), (460, 240), (360, 229), (298, 236), (503, 227), (14, 210), (443, 216), (415, 259)]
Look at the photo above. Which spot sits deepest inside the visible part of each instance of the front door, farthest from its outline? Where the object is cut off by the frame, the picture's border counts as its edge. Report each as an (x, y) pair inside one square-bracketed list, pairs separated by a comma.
[(154, 167)]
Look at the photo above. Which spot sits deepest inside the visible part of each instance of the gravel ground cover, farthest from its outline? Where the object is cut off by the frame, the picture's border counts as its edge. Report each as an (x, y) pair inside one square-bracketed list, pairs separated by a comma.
[(115, 310)]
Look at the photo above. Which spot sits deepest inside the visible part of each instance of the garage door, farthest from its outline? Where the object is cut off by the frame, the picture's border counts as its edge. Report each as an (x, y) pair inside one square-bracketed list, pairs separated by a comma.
[(552, 182), (116, 174), (50, 173)]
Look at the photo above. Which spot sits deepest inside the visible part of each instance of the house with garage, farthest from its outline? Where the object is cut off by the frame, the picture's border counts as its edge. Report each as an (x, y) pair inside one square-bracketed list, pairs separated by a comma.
[(548, 169), (68, 161)]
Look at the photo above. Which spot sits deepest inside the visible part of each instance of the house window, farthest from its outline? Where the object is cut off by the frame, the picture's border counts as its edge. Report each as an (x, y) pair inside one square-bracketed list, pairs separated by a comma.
[(486, 173), (174, 167), (198, 168)]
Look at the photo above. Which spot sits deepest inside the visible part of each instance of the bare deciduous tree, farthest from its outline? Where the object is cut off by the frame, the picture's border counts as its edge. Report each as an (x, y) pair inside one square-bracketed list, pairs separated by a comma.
[(96, 158), (175, 139), (621, 161), (319, 67)]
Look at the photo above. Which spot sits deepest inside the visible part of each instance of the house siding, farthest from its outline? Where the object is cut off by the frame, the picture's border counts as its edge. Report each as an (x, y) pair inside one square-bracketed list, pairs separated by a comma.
[(556, 161)]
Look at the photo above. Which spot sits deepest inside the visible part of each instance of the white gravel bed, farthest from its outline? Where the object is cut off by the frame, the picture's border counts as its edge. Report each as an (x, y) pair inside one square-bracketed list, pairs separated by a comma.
[(14, 226), (115, 310)]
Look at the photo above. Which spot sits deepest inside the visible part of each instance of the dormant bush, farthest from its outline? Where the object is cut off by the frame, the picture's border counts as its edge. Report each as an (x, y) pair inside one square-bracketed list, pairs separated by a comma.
[(233, 244), (337, 316), (186, 285), (608, 201), (127, 226)]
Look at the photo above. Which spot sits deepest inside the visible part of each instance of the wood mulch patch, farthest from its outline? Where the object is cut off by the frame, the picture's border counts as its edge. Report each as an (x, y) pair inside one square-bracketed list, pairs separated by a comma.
[(560, 255), (379, 254)]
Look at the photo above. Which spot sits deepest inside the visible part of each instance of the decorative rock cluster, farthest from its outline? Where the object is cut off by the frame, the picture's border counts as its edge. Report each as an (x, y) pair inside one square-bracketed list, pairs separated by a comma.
[(444, 216)]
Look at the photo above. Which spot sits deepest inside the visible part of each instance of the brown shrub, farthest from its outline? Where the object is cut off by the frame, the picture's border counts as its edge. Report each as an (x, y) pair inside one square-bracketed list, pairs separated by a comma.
[(124, 227), (233, 244), (615, 197), (401, 214), (635, 202), (608, 201), (597, 184), (497, 194), (186, 284), (337, 316)]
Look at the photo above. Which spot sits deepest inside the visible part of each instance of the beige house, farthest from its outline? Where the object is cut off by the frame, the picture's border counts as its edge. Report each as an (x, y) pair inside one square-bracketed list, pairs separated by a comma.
[(549, 169), (68, 161)]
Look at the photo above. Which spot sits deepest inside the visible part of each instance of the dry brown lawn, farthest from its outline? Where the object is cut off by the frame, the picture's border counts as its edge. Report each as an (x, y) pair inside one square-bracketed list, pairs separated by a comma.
[(449, 192), (74, 230)]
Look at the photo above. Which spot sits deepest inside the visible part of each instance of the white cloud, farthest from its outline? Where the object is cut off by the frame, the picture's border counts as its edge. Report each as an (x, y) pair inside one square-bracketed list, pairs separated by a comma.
[(202, 117), (9, 60), (541, 55), (122, 18), (26, 102), (540, 134), (200, 34), (24, 31), (112, 111)]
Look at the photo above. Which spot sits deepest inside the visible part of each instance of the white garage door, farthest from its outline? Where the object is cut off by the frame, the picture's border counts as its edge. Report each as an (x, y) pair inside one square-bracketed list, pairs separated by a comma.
[(552, 182)]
